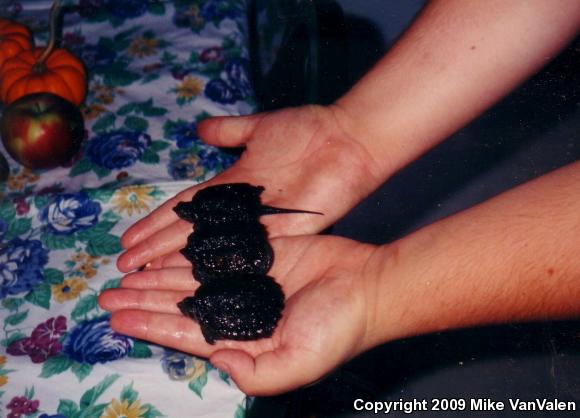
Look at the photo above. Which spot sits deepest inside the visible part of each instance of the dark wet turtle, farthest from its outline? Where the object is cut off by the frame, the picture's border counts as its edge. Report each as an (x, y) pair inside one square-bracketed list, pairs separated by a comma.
[(236, 308), (230, 251), (231, 255), (227, 203)]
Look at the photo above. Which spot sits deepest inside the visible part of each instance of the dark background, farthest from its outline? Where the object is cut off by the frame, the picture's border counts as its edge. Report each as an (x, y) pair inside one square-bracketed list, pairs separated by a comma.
[(532, 131)]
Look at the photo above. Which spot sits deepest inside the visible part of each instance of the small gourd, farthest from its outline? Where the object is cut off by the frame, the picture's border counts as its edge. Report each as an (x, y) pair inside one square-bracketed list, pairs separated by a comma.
[(14, 38), (48, 70)]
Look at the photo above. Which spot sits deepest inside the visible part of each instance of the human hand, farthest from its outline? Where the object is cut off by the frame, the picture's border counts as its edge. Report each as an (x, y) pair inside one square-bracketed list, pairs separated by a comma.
[(325, 321), (302, 156)]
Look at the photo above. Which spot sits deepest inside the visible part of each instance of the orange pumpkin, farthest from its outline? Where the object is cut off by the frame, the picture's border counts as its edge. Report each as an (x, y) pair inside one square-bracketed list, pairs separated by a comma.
[(14, 38), (34, 71)]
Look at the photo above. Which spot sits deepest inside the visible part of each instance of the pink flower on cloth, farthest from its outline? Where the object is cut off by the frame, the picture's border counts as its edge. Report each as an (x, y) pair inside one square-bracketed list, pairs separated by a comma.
[(21, 405), (43, 343)]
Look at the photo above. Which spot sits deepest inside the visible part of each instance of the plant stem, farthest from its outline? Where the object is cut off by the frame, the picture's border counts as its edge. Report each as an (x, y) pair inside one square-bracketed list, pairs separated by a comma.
[(54, 11)]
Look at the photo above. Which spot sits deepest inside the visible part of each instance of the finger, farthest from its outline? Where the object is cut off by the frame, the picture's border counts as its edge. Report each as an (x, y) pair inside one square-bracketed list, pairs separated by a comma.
[(175, 331), (164, 217), (175, 259), (229, 131), (271, 372), (164, 301), (160, 218), (175, 279), (165, 241)]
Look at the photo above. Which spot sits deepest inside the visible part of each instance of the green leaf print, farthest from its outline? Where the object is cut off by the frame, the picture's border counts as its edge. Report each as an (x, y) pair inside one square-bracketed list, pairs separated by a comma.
[(39, 295), (90, 396), (149, 110), (224, 376), (83, 166), (15, 336), (18, 227), (111, 284), (53, 276), (67, 408), (198, 384), (40, 201), (128, 108), (104, 244), (93, 411), (129, 394), (240, 412), (57, 242), (7, 211), (101, 171), (55, 365), (201, 116), (159, 145), (136, 123), (29, 393), (12, 304), (84, 306), (104, 123), (151, 412), (94, 232), (102, 194), (81, 370), (16, 318), (149, 157), (127, 34), (118, 75), (140, 350)]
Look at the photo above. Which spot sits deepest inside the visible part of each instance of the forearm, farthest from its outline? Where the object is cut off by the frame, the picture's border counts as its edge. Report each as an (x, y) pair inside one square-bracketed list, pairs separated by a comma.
[(513, 258), (456, 60)]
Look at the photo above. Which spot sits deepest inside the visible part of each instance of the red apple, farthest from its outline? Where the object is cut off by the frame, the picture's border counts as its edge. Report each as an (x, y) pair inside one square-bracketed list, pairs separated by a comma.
[(42, 130)]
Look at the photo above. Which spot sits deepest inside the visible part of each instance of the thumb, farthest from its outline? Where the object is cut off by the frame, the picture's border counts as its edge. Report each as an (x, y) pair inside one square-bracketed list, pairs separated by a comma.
[(270, 373), (228, 131)]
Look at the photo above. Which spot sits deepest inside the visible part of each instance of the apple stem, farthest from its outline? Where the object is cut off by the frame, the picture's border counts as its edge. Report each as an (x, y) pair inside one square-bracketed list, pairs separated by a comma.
[(54, 11)]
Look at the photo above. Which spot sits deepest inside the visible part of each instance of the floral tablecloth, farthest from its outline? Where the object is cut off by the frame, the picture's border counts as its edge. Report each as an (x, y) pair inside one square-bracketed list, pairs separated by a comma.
[(156, 69)]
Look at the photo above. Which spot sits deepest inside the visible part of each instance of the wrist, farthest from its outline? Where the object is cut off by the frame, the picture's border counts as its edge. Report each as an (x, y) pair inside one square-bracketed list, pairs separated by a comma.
[(402, 286), (354, 128), (384, 296)]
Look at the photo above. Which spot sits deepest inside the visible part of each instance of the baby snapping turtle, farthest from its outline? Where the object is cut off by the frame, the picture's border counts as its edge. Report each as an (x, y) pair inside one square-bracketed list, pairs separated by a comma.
[(231, 255), (236, 308), (227, 203), (243, 249)]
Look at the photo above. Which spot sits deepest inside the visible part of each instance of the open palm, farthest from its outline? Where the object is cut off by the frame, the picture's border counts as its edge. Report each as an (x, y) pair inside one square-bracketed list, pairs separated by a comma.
[(324, 322), (303, 158)]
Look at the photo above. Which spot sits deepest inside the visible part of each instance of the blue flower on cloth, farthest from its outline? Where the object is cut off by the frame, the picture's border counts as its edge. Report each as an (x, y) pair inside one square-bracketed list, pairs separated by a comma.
[(214, 159), (185, 164), (95, 342), (236, 85), (117, 149), (52, 416), (21, 265), (220, 91), (96, 57), (236, 71), (217, 10), (177, 365), (185, 134), (70, 212), (195, 163), (126, 8)]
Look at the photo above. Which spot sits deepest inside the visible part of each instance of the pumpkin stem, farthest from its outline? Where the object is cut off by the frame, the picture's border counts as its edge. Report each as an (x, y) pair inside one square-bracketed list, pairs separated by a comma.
[(54, 11)]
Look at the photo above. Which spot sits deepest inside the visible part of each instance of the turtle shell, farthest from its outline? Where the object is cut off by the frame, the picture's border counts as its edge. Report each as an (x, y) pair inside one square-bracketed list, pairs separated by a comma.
[(242, 308)]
